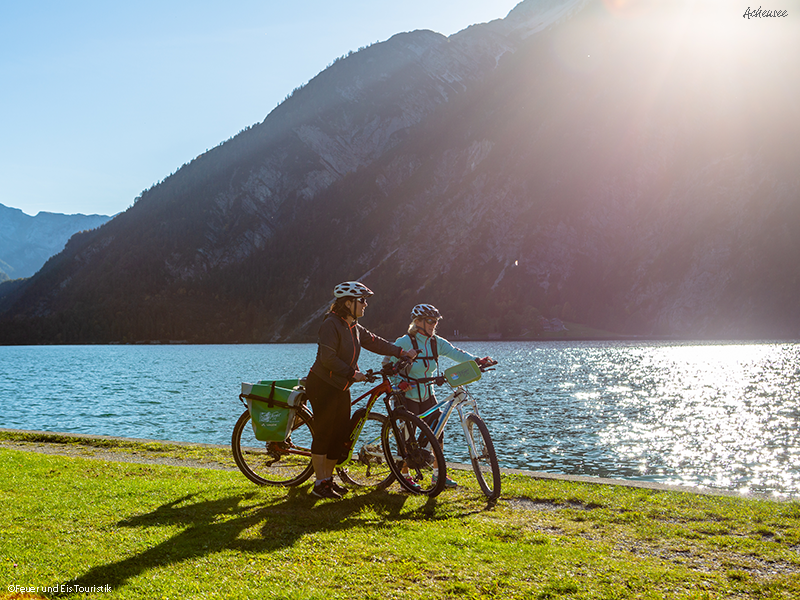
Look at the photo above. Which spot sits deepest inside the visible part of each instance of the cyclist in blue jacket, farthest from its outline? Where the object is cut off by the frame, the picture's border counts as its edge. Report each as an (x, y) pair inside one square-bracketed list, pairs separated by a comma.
[(422, 337)]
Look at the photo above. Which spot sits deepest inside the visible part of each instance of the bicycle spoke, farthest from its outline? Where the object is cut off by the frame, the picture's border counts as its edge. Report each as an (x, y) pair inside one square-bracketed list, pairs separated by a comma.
[(484, 464), (274, 463), (414, 455), (367, 466)]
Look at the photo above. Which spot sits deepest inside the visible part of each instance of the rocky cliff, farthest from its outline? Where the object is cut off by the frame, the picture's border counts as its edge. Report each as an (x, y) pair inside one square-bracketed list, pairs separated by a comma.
[(629, 170)]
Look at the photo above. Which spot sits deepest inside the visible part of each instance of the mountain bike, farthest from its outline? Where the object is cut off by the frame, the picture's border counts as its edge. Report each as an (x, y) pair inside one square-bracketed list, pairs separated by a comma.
[(373, 435), (410, 449), (288, 462), (479, 442)]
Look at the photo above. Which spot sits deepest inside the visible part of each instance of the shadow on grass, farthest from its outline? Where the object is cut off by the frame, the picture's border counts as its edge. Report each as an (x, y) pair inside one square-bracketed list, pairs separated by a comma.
[(213, 526)]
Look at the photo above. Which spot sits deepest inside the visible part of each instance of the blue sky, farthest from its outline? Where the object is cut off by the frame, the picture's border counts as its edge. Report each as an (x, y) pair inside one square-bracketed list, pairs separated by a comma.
[(100, 100)]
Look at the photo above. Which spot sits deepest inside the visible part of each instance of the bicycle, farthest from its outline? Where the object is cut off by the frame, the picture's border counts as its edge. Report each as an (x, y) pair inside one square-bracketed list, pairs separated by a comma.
[(410, 449), (479, 442), (288, 462)]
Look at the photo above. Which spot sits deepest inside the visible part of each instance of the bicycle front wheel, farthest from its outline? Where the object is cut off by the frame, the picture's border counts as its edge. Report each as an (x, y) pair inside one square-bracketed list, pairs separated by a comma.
[(274, 463), (367, 466), (413, 454), (487, 471)]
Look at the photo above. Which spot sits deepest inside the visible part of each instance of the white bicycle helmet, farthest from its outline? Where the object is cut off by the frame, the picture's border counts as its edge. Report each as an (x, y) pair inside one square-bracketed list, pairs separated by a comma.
[(352, 289), (420, 311)]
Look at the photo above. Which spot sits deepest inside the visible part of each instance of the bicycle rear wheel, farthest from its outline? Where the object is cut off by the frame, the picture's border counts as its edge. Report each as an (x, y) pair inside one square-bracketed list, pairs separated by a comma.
[(367, 466), (412, 447), (485, 465), (274, 463)]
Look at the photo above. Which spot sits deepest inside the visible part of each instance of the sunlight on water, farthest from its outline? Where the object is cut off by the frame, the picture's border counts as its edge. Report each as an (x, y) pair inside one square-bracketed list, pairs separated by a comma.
[(714, 411), (715, 415)]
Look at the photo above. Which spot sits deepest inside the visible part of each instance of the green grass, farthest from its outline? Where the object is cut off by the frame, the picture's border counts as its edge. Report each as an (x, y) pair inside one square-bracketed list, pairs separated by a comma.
[(161, 532)]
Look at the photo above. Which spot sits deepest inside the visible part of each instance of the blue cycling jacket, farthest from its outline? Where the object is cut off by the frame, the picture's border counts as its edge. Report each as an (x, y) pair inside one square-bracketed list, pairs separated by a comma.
[(424, 365)]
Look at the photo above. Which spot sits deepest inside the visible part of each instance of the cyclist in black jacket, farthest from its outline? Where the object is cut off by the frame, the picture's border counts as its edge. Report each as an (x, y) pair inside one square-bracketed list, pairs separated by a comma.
[(334, 370)]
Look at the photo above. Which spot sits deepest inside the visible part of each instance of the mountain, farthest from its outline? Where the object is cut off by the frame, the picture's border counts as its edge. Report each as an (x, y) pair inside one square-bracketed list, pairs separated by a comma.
[(628, 166), (27, 242)]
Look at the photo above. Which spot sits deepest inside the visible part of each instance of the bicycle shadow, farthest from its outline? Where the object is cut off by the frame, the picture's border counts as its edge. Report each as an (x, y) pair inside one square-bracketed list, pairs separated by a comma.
[(213, 526)]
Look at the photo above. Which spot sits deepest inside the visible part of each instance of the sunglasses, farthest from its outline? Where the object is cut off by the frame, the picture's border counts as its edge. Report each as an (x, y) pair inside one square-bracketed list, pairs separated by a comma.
[(431, 321), (361, 300)]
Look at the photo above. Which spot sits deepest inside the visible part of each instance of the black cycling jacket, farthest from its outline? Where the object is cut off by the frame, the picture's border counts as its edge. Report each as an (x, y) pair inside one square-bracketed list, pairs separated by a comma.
[(339, 346)]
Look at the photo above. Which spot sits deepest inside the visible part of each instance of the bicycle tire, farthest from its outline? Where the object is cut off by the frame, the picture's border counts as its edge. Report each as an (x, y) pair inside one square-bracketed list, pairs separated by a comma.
[(486, 461), (422, 455), (274, 463), (367, 466)]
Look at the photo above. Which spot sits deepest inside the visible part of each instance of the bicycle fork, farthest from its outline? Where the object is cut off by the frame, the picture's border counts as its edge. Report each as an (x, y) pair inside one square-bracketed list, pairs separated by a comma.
[(406, 443), (467, 400)]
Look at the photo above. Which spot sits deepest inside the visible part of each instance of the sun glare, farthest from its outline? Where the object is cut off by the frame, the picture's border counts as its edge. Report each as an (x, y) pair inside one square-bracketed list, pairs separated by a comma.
[(618, 7)]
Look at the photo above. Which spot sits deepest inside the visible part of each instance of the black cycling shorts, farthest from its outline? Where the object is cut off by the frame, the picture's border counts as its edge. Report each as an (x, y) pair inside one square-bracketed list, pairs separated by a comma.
[(417, 408), (331, 409)]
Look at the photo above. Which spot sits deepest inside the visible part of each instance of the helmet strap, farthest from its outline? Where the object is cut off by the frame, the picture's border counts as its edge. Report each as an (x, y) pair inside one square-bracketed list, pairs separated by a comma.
[(350, 312)]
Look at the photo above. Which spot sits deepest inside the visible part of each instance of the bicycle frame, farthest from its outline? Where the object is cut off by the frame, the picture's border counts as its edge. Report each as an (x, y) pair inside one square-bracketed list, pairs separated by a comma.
[(383, 388), (459, 400)]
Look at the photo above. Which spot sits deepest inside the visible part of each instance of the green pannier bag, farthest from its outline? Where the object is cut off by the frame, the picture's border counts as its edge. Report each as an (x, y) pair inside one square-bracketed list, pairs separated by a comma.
[(272, 408), (462, 373)]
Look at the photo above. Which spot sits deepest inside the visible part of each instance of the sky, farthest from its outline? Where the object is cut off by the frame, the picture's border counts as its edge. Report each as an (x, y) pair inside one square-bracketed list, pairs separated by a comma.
[(100, 100)]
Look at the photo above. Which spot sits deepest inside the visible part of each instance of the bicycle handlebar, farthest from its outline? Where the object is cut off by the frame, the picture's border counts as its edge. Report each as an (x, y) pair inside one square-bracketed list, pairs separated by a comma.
[(370, 376), (387, 370), (484, 365)]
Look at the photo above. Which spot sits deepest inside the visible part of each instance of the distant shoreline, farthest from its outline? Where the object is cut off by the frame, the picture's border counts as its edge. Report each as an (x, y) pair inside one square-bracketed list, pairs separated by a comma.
[(484, 339)]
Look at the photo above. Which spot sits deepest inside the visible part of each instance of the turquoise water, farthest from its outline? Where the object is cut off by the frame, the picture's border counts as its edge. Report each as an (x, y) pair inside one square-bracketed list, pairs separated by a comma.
[(715, 415)]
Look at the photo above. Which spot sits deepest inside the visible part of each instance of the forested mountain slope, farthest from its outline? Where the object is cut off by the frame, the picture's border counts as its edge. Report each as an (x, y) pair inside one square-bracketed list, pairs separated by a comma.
[(633, 171)]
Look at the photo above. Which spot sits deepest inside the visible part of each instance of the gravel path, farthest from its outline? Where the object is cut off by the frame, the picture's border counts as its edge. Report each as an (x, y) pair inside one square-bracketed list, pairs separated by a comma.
[(76, 449), (131, 455)]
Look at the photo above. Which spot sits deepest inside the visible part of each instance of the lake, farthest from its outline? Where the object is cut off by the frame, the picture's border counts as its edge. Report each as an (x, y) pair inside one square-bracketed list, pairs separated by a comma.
[(720, 415)]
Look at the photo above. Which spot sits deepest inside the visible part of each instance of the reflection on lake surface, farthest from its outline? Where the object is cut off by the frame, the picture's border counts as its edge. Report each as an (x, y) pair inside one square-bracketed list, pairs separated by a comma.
[(719, 415), (716, 415)]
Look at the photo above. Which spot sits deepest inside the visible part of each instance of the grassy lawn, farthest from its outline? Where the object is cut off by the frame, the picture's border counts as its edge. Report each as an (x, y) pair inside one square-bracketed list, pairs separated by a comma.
[(165, 532)]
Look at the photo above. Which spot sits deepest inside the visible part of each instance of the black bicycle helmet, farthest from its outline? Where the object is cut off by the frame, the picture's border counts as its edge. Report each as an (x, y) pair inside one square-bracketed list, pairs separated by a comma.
[(420, 311)]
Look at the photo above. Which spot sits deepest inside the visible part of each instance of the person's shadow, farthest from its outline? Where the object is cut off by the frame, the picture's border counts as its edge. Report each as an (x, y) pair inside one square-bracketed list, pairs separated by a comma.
[(216, 525)]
